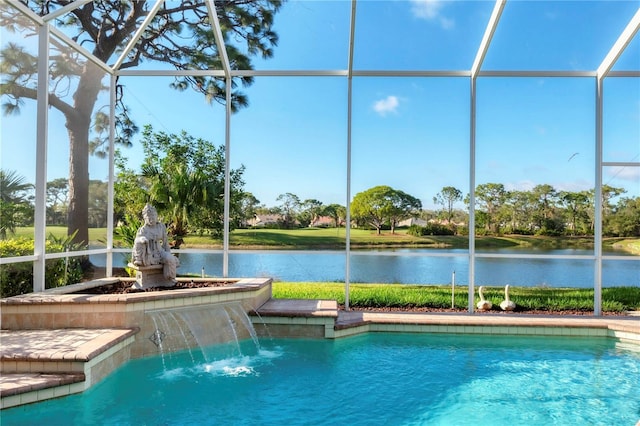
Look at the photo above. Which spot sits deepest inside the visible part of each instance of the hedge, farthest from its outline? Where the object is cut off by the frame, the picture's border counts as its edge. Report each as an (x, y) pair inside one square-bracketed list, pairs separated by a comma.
[(17, 278)]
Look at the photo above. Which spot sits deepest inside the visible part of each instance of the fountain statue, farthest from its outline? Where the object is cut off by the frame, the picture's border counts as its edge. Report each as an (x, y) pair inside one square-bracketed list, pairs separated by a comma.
[(152, 260)]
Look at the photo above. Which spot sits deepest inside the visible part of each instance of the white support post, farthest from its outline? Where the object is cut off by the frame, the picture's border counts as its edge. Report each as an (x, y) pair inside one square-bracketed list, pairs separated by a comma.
[(472, 195), (492, 25), (347, 224), (40, 215), (347, 219), (110, 190), (597, 232), (226, 65), (227, 180)]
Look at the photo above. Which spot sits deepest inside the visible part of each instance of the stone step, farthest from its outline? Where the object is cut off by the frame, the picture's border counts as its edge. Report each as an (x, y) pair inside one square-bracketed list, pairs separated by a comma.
[(22, 383), (55, 351), (40, 364)]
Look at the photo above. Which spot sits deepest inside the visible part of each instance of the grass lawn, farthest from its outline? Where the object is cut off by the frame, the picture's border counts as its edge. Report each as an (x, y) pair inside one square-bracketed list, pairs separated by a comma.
[(334, 238), (616, 299), (96, 235), (362, 238)]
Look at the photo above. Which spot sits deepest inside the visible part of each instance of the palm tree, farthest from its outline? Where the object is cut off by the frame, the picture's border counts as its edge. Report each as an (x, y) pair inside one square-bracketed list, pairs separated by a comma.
[(185, 178), (13, 200), (177, 195)]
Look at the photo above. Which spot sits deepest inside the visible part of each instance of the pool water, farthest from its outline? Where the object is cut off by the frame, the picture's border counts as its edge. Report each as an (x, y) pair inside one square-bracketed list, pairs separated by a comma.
[(386, 379)]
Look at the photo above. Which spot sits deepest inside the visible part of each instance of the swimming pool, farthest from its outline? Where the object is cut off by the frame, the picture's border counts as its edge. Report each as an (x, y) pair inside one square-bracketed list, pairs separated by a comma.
[(377, 378)]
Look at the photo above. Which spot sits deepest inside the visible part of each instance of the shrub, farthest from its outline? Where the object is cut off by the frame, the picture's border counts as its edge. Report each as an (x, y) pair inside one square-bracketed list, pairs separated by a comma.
[(17, 278), (430, 229), (519, 231), (126, 231)]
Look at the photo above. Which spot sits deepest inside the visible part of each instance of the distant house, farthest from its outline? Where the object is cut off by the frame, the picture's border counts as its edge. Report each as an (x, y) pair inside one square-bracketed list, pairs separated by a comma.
[(322, 222), (264, 220), (411, 221), (445, 222)]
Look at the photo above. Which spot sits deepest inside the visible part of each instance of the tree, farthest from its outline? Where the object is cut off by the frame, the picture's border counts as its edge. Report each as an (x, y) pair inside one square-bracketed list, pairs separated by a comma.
[(545, 217), (521, 205), (310, 210), (57, 198), (490, 198), (249, 205), (14, 201), (624, 221), (576, 207), (130, 192), (446, 198), (175, 36), (98, 203), (608, 194), (383, 204), (403, 206), (262, 210), (337, 212), (186, 176), (289, 208)]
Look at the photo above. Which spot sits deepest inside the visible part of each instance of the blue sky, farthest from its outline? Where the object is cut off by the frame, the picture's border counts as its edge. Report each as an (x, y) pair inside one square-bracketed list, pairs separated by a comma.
[(410, 133)]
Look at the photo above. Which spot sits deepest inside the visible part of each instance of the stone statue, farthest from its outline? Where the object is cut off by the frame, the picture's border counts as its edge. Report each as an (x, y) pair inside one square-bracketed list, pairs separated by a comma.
[(151, 246)]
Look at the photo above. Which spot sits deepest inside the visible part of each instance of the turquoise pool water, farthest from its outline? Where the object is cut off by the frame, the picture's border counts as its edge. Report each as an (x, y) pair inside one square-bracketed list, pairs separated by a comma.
[(385, 379)]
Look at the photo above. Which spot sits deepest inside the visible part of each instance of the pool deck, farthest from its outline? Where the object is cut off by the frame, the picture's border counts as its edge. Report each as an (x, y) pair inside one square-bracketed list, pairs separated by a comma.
[(41, 364)]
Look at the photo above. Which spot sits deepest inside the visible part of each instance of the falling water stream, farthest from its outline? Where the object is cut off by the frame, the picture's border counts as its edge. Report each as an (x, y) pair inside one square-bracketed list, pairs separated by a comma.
[(198, 328)]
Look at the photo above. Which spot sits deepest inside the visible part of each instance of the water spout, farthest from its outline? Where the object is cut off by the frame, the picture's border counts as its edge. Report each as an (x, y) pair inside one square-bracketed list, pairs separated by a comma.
[(201, 328)]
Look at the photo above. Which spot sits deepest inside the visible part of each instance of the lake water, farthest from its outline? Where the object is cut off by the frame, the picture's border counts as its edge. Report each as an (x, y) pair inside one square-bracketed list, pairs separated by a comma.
[(414, 266)]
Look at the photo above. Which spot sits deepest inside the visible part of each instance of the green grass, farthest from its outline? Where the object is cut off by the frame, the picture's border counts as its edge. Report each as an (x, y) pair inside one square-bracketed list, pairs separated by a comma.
[(363, 238), (96, 235), (323, 237), (618, 299), (626, 244), (312, 238), (334, 238)]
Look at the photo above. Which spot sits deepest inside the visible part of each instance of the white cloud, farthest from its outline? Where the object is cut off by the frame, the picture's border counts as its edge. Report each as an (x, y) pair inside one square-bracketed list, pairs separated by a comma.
[(631, 174), (541, 130), (527, 185), (447, 23), (523, 185), (387, 105), (430, 10), (573, 186), (427, 9)]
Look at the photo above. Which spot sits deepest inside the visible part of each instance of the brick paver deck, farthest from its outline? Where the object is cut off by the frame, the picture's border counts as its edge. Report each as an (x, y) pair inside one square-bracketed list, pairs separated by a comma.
[(33, 360)]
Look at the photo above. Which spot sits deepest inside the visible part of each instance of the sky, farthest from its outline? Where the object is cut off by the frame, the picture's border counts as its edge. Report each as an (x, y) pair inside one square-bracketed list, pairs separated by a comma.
[(411, 133)]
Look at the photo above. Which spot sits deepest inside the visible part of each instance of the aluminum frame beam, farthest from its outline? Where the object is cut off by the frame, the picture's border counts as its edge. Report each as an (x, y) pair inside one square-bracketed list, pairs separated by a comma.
[(620, 45), (143, 26), (487, 37)]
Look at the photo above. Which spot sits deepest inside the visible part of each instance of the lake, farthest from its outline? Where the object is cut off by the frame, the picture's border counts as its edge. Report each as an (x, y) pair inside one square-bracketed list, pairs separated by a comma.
[(415, 266)]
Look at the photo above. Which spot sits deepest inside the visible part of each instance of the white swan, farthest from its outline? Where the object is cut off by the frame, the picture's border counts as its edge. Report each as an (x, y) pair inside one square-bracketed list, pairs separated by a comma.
[(483, 305), (506, 304)]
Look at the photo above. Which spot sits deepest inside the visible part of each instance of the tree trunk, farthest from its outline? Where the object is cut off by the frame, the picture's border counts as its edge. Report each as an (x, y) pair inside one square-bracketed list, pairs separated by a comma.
[(78, 214), (78, 125)]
